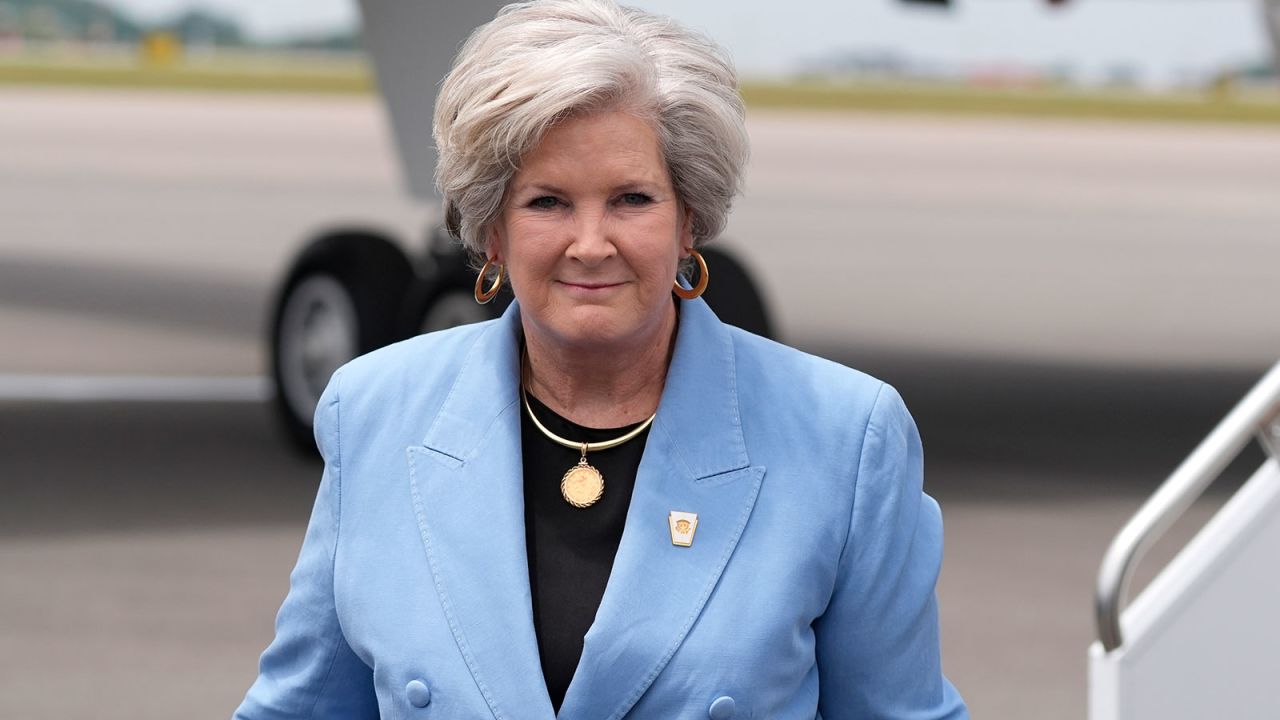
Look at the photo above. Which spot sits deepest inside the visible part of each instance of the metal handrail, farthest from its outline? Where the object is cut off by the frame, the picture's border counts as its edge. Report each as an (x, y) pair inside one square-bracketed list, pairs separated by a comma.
[(1257, 414)]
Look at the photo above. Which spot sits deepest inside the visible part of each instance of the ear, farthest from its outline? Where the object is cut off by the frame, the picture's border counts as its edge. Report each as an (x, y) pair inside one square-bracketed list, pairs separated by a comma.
[(686, 233), (493, 244)]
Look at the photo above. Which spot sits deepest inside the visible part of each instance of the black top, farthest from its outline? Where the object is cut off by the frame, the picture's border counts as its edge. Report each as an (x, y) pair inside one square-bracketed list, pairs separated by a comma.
[(570, 549)]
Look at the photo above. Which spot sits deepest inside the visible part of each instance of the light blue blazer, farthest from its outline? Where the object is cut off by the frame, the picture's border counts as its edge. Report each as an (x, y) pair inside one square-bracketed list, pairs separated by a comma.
[(808, 590)]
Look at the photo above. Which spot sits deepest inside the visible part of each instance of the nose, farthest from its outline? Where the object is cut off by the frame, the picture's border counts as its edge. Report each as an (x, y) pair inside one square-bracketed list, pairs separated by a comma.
[(592, 241)]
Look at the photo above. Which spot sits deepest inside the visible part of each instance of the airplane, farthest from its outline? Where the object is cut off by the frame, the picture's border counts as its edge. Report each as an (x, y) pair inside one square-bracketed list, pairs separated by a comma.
[(356, 288)]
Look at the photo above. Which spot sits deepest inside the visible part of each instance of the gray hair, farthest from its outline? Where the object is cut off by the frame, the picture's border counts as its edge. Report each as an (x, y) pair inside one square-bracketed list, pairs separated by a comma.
[(537, 63)]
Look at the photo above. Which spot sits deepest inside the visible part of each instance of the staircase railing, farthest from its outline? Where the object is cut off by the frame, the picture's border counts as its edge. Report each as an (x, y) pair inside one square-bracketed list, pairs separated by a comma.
[(1257, 415)]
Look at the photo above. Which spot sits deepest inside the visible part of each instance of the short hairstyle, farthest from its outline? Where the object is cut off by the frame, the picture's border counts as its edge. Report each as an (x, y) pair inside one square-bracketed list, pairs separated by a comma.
[(539, 62)]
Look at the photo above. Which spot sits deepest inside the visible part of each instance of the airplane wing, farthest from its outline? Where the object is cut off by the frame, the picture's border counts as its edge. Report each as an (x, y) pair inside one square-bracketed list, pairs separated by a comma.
[(412, 45), (1271, 18)]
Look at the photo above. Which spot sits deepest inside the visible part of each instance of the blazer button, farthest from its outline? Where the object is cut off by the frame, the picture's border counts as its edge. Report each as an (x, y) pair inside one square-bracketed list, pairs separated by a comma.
[(722, 709), (418, 692)]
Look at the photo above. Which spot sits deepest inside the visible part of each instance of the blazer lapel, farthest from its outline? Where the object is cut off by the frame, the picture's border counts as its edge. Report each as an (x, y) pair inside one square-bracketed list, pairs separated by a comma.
[(468, 494), (695, 461)]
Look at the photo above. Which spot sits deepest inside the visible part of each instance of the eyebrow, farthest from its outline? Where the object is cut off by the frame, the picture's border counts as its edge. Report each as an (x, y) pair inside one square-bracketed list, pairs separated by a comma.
[(629, 186), (540, 187)]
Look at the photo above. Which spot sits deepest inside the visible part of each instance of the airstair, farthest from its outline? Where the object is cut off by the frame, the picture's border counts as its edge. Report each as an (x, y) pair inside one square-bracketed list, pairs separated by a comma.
[(1202, 641)]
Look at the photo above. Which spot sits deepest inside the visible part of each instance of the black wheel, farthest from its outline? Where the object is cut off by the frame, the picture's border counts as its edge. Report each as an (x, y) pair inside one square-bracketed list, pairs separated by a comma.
[(340, 299), (447, 298), (733, 295)]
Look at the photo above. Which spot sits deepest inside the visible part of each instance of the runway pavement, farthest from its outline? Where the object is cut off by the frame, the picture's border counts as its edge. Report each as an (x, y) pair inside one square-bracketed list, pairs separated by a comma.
[(1067, 309)]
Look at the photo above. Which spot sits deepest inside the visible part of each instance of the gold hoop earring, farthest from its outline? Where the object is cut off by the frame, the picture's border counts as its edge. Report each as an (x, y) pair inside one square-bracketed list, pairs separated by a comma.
[(703, 277), (483, 296)]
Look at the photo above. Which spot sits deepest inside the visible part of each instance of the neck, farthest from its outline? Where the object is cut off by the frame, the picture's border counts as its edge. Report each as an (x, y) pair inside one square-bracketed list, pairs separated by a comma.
[(601, 387)]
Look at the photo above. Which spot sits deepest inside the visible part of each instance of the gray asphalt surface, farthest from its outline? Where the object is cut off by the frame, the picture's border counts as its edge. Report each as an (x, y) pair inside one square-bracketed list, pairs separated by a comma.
[(1067, 309)]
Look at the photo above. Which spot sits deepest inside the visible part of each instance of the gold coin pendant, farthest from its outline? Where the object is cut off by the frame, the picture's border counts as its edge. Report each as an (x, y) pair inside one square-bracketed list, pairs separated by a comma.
[(583, 485)]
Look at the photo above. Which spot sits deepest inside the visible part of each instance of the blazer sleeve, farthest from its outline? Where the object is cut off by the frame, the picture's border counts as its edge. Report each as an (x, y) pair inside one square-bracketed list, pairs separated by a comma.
[(309, 670), (877, 642)]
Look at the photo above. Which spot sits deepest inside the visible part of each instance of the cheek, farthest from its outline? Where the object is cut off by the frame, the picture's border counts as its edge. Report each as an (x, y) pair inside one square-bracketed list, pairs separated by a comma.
[(665, 260), (528, 244), (657, 244)]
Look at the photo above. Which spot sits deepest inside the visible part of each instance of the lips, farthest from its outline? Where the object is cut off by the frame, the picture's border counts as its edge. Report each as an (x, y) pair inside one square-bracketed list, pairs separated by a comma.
[(589, 284)]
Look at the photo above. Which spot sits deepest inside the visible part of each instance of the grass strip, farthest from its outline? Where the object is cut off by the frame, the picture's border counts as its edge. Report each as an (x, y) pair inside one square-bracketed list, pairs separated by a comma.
[(353, 77), (952, 100), (191, 77)]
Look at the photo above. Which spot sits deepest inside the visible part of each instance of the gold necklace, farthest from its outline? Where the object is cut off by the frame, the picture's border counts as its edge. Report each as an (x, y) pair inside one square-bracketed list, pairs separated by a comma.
[(582, 485)]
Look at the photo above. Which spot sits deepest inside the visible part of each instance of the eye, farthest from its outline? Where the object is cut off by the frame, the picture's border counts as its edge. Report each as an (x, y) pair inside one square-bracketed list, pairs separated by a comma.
[(544, 202), (635, 199)]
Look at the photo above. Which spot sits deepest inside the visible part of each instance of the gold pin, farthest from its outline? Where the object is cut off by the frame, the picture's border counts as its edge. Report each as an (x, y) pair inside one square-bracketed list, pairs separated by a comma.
[(683, 526)]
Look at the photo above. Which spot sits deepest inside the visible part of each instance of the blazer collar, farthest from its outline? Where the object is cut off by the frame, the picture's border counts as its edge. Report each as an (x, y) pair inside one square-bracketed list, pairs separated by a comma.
[(699, 404), (467, 489), (487, 385)]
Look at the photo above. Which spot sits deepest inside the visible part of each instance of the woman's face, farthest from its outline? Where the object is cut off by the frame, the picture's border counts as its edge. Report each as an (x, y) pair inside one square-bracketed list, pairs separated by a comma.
[(591, 234)]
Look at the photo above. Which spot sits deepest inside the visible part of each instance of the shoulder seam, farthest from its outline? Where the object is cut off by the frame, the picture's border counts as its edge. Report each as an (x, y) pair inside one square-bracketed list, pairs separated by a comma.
[(337, 530), (337, 437), (857, 481)]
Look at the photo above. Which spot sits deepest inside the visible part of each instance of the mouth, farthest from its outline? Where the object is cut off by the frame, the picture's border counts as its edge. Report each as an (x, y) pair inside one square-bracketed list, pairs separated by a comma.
[(589, 285)]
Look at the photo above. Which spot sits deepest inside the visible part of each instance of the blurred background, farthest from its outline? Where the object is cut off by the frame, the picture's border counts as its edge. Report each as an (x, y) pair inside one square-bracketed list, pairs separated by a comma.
[(1054, 226)]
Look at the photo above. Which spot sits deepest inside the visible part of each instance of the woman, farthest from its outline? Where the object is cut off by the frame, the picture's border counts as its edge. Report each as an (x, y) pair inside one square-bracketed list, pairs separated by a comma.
[(610, 504)]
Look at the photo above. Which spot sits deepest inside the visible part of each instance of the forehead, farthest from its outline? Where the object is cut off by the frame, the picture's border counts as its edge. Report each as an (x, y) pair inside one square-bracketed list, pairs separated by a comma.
[(606, 146)]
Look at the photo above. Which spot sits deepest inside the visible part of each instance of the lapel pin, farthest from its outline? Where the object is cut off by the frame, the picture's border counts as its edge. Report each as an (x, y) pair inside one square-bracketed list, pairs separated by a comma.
[(683, 526)]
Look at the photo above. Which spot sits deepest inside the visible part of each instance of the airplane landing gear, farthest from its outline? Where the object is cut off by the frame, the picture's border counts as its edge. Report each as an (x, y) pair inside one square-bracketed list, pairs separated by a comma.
[(340, 299)]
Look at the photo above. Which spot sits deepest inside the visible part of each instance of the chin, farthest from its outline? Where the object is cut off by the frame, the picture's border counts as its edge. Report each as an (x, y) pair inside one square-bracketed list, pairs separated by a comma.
[(597, 326)]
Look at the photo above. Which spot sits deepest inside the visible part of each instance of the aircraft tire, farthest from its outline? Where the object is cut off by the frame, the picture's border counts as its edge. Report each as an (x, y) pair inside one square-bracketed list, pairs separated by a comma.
[(340, 299), (448, 299), (734, 295)]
